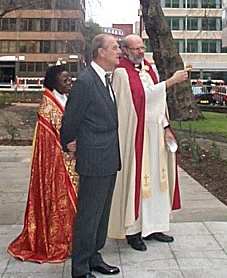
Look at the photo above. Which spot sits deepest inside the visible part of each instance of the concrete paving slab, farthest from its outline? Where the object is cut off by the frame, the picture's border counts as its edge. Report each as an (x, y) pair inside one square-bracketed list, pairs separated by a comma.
[(32, 275), (3, 262), (149, 273), (217, 227), (195, 242), (204, 273), (199, 249), (188, 229), (29, 267), (202, 263), (222, 239), (12, 213), (217, 254), (200, 215), (155, 250)]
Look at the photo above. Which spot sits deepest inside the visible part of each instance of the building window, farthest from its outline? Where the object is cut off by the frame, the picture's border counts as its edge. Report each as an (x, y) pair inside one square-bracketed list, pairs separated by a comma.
[(60, 46), (172, 3), (66, 25), (191, 4), (38, 67), (67, 4), (23, 24), (192, 46), (31, 24), (175, 24), (12, 47), (45, 47), (210, 4), (31, 67), (22, 66), (22, 47), (192, 23), (73, 25), (45, 24), (73, 67), (4, 46), (180, 45), (209, 46), (39, 5), (167, 3), (211, 24), (8, 24)]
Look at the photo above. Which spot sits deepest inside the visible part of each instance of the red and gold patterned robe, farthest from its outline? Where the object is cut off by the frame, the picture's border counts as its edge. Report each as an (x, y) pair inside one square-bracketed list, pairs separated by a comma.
[(52, 197)]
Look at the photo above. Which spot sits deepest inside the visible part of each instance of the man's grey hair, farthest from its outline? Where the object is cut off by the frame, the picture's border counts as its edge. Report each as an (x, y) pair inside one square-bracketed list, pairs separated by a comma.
[(124, 45), (99, 41), (124, 42)]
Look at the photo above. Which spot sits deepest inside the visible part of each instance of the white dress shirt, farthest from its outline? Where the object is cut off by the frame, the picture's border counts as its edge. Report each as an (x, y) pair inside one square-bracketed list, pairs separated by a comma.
[(101, 73), (62, 98)]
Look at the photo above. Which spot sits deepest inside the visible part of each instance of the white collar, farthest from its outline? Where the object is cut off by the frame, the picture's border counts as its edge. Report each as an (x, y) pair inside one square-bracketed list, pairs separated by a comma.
[(100, 71), (62, 98)]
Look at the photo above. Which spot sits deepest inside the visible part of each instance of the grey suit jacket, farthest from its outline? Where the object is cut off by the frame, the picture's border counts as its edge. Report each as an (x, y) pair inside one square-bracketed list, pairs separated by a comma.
[(90, 117)]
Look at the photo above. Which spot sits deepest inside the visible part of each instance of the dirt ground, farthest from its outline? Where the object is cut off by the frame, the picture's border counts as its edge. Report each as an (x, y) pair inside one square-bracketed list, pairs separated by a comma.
[(18, 122), (210, 172)]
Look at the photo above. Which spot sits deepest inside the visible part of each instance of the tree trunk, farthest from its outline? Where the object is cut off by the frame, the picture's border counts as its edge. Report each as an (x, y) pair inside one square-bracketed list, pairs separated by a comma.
[(167, 59)]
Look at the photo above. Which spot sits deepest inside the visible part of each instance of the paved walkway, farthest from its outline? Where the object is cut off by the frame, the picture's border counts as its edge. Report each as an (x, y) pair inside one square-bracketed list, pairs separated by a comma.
[(200, 231)]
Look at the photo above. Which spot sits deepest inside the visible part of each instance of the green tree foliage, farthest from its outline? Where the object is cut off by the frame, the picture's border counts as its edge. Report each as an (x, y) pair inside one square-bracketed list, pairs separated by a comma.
[(91, 30)]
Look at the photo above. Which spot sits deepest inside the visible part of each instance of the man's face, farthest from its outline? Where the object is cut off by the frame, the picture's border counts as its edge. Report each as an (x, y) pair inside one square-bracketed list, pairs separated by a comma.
[(110, 52), (135, 50)]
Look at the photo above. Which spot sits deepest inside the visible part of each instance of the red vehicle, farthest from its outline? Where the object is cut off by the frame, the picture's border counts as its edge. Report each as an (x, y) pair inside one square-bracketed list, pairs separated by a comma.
[(215, 93), (220, 94)]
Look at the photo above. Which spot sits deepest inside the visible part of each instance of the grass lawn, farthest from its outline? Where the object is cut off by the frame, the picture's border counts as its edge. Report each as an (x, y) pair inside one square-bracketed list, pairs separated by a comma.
[(213, 123)]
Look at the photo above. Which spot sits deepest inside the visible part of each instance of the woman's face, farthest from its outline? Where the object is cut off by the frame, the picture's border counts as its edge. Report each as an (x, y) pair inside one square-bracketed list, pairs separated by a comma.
[(64, 83)]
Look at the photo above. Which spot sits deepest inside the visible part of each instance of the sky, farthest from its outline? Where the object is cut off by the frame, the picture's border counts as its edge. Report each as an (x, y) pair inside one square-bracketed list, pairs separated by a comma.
[(107, 12)]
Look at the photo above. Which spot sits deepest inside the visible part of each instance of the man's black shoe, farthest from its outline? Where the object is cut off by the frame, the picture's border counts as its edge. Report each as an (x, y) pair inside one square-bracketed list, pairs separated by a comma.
[(104, 268), (137, 243), (87, 275), (159, 237)]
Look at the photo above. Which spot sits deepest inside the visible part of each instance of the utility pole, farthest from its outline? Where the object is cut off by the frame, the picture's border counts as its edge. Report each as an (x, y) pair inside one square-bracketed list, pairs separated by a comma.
[(140, 21)]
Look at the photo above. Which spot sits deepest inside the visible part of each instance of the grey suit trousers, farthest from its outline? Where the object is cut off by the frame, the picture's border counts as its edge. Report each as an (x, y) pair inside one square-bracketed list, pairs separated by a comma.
[(91, 224)]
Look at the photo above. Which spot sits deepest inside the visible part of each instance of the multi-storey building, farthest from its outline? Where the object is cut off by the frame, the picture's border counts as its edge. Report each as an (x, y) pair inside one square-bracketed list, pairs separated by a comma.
[(116, 32), (224, 23), (197, 29), (127, 28), (40, 33)]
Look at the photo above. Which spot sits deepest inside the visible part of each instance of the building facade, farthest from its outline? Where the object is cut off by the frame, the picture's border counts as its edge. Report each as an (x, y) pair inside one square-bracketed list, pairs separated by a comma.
[(224, 24), (38, 34), (197, 30), (116, 32), (126, 28)]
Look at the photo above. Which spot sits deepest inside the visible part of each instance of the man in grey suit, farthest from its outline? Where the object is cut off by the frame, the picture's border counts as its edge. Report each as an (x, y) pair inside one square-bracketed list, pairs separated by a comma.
[(91, 120)]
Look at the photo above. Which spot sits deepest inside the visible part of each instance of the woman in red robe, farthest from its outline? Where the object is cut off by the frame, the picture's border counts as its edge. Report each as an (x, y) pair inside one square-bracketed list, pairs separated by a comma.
[(52, 197)]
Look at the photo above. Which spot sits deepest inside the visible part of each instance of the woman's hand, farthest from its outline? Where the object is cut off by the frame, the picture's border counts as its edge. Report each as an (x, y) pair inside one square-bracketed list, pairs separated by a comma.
[(72, 149)]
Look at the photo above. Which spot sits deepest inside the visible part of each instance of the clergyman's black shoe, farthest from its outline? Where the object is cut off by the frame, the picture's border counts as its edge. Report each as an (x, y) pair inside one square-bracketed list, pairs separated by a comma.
[(137, 243), (159, 237), (104, 268), (87, 275)]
